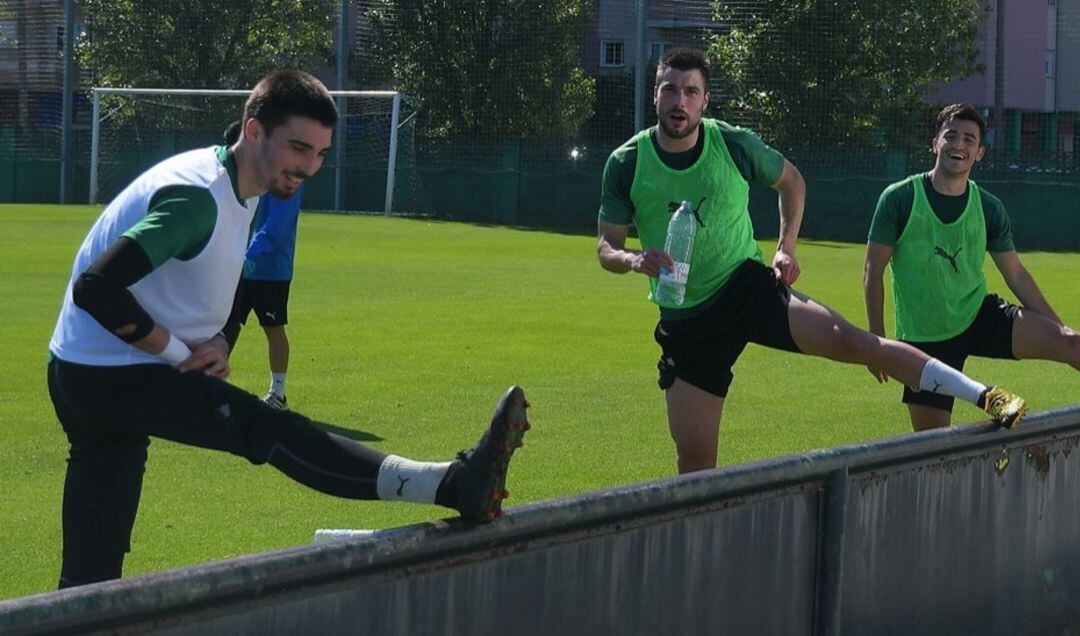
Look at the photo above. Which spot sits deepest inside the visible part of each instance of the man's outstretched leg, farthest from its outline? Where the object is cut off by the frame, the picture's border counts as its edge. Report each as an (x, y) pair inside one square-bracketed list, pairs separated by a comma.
[(200, 410), (204, 411), (818, 330), (1036, 336), (474, 483)]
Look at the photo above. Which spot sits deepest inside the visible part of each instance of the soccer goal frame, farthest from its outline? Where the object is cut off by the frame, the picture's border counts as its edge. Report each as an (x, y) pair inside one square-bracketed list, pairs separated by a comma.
[(339, 96)]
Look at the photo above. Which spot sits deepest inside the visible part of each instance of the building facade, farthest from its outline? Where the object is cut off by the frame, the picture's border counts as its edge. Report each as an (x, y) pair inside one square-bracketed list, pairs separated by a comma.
[(1041, 77)]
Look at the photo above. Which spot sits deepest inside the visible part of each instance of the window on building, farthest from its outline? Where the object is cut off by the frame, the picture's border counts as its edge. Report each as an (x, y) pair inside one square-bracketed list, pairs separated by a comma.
[(80, 30), (656, 50), (611, 53), (7, 34), (1051, 63)]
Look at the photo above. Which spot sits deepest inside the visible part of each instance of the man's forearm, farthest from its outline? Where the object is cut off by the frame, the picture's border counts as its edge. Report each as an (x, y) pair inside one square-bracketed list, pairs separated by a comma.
[(792, 203), (874, 295), (618, 261), (1028, 293)]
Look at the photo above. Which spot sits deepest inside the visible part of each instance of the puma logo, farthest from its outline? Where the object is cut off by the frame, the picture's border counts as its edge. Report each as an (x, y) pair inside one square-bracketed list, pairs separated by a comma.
[(272, 315), (949, 257), (401, 488), (673, 206)]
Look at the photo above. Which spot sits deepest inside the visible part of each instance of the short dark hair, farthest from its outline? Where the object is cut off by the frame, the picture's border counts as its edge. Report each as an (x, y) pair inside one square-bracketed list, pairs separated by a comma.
[(684, 60), (232, 133), (961, 111), (283, 94)]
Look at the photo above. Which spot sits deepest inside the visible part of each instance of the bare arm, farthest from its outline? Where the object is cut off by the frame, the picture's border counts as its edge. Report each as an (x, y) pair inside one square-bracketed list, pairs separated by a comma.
[(1021, 282), (877, 258), (792, 201), (614, 257), (210, 357)]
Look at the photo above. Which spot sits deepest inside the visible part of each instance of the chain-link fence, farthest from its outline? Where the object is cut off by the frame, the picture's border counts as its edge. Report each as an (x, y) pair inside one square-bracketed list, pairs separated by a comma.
[(511, 107)]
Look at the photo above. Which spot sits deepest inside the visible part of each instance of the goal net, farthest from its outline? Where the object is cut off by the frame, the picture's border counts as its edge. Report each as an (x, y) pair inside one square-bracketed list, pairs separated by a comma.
[(369, 167)]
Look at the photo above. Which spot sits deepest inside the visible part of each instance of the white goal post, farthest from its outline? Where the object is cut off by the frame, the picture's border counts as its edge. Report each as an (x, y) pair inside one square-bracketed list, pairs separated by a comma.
[(121, 106)]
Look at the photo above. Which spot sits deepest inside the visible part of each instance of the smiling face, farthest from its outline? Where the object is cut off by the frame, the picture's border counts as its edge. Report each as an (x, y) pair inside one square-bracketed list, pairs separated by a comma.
[(958, 146), (681, 99), (289, 154)]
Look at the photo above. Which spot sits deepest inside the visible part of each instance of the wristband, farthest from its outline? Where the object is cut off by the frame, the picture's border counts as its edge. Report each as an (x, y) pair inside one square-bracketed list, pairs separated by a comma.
[(175, 352)]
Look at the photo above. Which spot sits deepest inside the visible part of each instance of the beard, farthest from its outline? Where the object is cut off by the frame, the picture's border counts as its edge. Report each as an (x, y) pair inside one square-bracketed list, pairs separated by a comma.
[(671, 133), (280, 187), (281, 192)]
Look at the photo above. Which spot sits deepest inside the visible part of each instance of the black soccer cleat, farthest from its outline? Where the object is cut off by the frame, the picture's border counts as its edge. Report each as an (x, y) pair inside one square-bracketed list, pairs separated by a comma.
[(475, 483)]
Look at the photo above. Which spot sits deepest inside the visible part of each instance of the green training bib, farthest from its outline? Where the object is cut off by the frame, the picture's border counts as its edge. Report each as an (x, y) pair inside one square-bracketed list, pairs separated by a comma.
[(936, 269)]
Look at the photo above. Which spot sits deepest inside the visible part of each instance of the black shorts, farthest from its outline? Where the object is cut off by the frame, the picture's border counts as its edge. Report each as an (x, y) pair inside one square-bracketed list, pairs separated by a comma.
[(988, 336), (751, 307), (269, 299)]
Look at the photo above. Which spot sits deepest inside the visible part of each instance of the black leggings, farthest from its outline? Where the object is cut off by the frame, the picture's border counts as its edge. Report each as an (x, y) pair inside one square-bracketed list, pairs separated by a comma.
[(109, 415)]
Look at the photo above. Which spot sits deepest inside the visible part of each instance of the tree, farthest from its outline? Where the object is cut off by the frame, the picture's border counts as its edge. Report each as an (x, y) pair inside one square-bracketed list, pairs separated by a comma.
[(491, 67), (841, 73), (202, 43)]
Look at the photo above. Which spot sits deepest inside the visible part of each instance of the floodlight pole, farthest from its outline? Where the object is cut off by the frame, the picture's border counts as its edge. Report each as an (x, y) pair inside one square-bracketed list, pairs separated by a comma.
[(69, 100), (1000, 142), (342, 78), (639, 68), (95, 147)]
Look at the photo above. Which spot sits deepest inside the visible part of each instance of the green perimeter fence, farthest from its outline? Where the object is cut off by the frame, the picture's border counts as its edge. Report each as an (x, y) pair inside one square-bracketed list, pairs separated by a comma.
[(510, 108)]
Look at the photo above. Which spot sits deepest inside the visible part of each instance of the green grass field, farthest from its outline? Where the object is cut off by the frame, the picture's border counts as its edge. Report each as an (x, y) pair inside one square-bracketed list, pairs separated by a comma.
[(404, 333)]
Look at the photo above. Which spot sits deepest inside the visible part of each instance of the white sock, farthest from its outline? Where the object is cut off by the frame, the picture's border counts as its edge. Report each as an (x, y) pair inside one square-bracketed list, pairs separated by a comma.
[(938, 377), (403, 479), (277, 384)]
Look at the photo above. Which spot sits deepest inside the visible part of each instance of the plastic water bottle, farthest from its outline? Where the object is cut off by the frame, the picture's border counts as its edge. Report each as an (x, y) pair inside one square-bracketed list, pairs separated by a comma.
[(671, 289), (323, 535)]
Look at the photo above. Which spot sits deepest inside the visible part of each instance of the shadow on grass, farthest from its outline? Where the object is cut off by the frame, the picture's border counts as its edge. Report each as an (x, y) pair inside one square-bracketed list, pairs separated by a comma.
[(565, 229), (830, 244), (351, 433)]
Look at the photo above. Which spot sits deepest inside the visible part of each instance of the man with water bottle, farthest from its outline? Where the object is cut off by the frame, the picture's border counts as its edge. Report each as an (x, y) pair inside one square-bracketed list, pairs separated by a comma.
[(685, 185)]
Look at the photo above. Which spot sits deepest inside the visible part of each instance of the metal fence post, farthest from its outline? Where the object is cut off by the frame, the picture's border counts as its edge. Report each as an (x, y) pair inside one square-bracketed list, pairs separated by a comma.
[(395, 116), (342, 104), (66, 171), (830, 554), (639, 67)]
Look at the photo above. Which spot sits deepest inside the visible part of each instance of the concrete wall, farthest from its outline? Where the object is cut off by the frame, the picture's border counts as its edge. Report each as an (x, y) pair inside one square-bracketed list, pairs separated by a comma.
[(965, 530)]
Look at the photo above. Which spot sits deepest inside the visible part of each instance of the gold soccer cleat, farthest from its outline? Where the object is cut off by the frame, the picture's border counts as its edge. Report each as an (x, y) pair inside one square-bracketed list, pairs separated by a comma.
[(1005, 408)]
